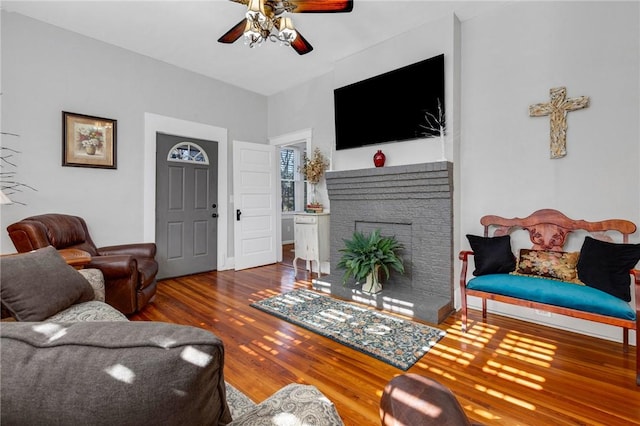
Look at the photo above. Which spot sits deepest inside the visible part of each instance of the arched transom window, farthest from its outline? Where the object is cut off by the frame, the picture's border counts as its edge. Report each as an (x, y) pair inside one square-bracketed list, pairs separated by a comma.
[(188, 152)]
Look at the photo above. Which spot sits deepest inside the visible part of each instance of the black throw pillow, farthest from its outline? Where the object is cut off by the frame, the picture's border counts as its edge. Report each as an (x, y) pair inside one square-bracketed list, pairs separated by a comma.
[(605, 266), (492, 255)]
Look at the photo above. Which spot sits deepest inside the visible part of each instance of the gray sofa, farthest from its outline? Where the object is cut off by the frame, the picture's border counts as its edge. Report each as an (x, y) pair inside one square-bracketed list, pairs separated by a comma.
[(86, 363)]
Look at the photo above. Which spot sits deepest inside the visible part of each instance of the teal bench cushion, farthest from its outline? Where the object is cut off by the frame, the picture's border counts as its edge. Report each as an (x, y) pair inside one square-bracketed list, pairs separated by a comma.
[(552, 292)]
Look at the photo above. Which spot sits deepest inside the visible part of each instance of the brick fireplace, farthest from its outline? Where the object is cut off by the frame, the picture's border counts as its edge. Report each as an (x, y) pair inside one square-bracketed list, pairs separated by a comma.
[(414, 203)]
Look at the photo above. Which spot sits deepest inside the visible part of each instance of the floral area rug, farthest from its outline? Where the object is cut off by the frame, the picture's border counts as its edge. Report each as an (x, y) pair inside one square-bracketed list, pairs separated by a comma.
[(393, 340)]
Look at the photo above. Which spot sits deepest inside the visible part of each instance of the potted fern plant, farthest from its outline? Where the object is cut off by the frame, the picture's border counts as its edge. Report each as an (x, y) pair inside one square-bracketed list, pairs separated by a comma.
[(365, 255)]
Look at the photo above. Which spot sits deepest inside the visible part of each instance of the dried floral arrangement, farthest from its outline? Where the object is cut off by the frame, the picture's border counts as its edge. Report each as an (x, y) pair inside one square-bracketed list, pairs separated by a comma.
[(313, 168)]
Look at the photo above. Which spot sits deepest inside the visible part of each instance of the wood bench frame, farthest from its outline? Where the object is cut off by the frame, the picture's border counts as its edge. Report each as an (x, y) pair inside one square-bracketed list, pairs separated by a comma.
[(548, 230)]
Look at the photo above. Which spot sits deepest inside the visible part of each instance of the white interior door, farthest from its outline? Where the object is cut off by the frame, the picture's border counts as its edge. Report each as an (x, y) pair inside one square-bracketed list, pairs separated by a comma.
[(255, 188)]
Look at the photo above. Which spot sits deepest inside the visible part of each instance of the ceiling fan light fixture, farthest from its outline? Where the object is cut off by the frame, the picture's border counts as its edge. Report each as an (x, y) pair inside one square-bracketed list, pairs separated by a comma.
[(255, 11), (286, 31), (253, 34), (268, 20)]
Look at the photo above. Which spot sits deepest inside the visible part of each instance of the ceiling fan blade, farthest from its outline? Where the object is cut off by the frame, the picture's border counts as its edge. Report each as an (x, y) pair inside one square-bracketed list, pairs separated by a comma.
[(234, 33), (301, 45), (320, 6)]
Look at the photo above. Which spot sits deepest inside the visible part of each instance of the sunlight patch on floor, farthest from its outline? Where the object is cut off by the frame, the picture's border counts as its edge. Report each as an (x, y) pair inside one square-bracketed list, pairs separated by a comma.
[(457, 356), (440, 372), (264, 293), (511, 346), (524, 354), (524, 341), (497, 394), (246, 318), (478, 335), (236, 322), (265, 347), (512, 378), (481, 412), (288, 337), (512, 374), (274, 341), (292, 328), (249, 351), (236, 319)]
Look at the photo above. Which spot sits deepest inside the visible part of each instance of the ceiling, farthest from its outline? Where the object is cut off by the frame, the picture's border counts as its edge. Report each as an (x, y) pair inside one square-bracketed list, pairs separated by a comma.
[(185, 33)]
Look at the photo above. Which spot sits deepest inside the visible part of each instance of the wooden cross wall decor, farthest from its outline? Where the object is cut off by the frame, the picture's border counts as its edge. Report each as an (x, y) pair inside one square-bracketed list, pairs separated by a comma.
[(557, 109)]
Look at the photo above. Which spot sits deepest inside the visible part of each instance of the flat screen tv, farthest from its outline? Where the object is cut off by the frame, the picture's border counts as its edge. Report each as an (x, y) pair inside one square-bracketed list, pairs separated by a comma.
[(391, 106)]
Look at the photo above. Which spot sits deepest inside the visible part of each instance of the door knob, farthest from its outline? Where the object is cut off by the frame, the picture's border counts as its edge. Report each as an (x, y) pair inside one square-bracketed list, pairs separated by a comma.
[(214, 215), (238, 213)]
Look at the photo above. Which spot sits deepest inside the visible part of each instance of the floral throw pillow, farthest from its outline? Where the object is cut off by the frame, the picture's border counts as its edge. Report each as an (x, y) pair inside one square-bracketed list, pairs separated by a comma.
[(557, 265)]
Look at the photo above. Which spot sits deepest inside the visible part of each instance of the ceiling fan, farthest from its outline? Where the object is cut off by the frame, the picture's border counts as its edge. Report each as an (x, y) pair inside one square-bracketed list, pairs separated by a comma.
[(269, 20)]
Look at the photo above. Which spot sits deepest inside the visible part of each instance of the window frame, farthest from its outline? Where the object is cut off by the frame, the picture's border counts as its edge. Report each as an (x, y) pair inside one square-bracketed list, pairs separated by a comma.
[(189, 147), (299, 184)]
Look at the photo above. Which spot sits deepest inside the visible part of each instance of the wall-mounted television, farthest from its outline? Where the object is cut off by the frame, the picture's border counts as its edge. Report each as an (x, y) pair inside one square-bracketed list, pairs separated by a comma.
[(391, 106)]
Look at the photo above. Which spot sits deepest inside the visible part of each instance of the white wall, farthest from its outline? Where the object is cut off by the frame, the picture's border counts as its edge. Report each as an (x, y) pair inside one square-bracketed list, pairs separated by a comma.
[(429, 40), (46, 70), (310, 105), (509, 59)]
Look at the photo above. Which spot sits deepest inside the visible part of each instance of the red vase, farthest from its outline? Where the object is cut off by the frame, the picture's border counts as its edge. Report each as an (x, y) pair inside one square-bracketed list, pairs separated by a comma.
[(379, 158)]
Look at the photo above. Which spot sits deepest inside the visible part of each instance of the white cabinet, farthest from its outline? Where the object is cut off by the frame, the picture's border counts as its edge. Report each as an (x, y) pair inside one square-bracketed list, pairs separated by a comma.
[(311, 239)]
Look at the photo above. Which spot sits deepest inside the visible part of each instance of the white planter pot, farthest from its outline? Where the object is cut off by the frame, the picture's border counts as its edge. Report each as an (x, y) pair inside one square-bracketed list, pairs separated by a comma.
[(373, 284)]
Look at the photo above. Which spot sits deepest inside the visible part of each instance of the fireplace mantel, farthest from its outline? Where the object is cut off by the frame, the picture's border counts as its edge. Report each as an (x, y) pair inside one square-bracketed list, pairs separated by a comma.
[(413, 202)]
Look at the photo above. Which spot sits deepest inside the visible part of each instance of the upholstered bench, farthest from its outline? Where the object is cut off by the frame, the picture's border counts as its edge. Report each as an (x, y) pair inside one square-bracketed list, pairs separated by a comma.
[(556, 293), (593, 284)]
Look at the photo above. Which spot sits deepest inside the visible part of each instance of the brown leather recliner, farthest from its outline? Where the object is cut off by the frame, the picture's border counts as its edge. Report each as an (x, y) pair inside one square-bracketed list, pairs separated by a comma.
[(129, 270)]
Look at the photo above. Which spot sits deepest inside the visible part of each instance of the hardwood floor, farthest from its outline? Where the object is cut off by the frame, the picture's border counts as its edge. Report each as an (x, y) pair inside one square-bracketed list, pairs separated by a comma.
[(503, 372)]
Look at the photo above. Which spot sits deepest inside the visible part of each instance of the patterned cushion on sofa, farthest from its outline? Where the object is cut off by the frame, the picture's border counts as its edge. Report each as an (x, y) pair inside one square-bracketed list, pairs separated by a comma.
[(238, 402), (293, 405), (96, 280), (88, 311)]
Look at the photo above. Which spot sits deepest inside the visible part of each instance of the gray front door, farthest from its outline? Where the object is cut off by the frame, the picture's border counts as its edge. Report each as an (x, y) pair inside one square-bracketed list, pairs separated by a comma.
[(186, 205)]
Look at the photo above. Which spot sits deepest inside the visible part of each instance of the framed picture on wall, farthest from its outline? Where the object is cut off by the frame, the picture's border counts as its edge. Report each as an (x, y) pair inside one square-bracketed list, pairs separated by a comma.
[(88, 141)]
